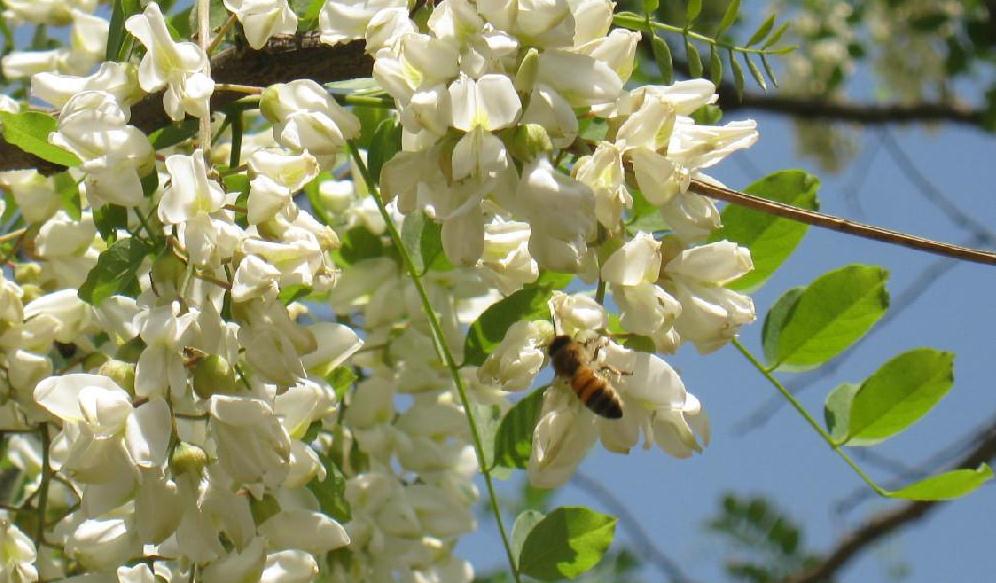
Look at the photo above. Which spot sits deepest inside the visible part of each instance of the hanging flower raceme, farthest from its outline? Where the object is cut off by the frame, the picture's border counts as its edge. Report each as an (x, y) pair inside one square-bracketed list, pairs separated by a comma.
[(237, 377)]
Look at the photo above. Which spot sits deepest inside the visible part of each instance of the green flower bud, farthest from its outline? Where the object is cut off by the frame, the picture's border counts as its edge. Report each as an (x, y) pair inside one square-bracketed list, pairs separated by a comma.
[(168, 269), (529, 141), (94, 360), (269, 103), (25, 273), (187, 457), (212, 375), (121, 372), (263, 509), (131, 350), (525, 77)]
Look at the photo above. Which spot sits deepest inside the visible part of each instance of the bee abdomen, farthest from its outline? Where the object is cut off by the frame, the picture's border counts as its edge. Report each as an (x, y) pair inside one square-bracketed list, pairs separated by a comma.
[(597, 394)]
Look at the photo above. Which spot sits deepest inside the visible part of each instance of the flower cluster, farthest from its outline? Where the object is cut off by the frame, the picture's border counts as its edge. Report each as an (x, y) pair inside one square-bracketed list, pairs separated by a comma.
[(213, 376)]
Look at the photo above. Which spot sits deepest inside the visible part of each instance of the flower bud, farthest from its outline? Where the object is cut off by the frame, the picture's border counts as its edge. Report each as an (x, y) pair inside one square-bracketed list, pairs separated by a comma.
[(187, 457), (528, 141), (25, 273), (168, 268), (525, 77), (119, 371), (212, 375)]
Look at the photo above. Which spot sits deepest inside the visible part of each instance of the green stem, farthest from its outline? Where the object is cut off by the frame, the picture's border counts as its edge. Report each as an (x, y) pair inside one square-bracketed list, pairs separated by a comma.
[(443, 350), (367, 100), (636, 22), (46, 477), (809, 418), (234, 156)]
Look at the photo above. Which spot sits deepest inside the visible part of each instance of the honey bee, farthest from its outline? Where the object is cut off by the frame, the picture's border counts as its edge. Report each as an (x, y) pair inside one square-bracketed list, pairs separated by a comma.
[(571, 361)]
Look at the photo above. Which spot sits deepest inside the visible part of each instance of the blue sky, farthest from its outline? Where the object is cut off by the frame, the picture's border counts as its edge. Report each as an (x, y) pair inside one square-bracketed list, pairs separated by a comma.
[(784, 459)]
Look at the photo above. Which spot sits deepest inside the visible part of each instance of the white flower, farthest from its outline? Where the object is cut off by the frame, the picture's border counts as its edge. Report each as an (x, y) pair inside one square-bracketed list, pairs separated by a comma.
[(506, 261), (711, 315), (560, 212), (648, 310), (575, 315), (160, 366), (291, 566), (489, 102), (262, 19), (306, 117), (18, 555), (180, 67), (115, 155), (252, 445), (345, 20), (516, 361), (563, 435)]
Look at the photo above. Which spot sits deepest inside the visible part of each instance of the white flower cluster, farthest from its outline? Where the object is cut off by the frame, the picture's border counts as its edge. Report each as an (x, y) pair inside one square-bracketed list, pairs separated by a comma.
[(197, 421)]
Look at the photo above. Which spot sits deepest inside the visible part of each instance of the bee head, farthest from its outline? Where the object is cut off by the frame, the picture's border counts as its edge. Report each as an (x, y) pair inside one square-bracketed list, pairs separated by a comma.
[(558, 343)]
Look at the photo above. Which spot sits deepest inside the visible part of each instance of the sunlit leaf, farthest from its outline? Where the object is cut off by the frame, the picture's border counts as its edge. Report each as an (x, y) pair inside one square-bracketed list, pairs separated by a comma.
[(946, 486), (899, 393), (514, 439), (832, 313), (566, 543), (29, 131), (771, 239)]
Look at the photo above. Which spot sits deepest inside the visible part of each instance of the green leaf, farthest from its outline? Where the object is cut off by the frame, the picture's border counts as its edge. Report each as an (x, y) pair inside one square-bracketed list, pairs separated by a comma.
[(109, 218), (69, 192), (775, 36), (173, 134), (341, 378), (120, 11), (662, 56), (650, 6), (762, 31), (767, 69), (514, 439), (694, 60), (946, 486), (692, 11), (738, 73), (313, 194), (358, 244), (528, 303), (411, 238), (775, 320), (729, 16), (115, 272), (771, 239), (331, 493), (29, 131), (837, 410), (715, 65), (755, 72), (384, 145), (898, 394), (524, 524), (566, 543), (431, 244), (832, 313), (307, 12)]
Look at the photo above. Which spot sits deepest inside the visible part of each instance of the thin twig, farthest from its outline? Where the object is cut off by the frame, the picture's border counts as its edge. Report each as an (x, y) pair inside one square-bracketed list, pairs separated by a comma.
[(642, 540), (885, 523), (838, 224), (220, 35)]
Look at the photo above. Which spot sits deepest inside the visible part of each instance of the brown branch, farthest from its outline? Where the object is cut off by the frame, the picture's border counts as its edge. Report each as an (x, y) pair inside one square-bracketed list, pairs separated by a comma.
[(831, 222), (283, 59), (885, 523), (860, 113)]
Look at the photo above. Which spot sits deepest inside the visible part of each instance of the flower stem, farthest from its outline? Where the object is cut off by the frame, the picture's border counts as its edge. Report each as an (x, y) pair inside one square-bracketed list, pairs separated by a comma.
[(46, 477), (809, 418), (443, 350)]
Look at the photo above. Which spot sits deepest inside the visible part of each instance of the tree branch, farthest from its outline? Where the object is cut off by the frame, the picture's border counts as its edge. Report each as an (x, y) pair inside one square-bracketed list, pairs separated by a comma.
[(859, 113), (831, 222), (283, 59), (885, 523)]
